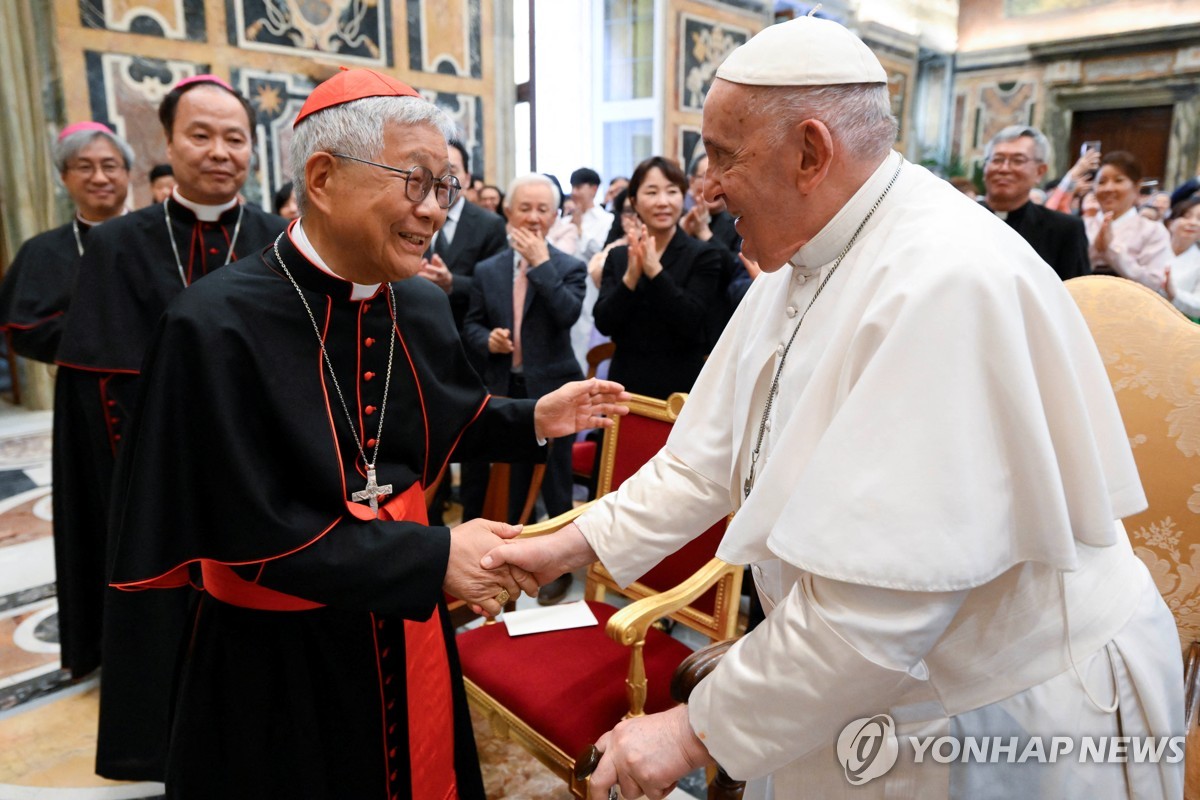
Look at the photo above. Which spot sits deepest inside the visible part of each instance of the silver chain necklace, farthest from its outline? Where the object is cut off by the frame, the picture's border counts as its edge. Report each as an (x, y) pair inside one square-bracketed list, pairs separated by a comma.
[(373, 491), (78, 238), (762, 426), (174, 249)]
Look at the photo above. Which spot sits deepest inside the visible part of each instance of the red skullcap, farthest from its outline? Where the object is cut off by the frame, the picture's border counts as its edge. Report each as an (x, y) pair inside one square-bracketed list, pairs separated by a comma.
[(205, 79), (85, 126), (352, 84)]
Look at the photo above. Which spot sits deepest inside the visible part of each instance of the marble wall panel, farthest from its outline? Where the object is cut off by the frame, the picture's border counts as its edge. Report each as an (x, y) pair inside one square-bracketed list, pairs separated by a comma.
[(1003, 105), (124, 92), (703, 45), (277, 98), (167, 19), (353, 31), (445, 38), (467, 112)]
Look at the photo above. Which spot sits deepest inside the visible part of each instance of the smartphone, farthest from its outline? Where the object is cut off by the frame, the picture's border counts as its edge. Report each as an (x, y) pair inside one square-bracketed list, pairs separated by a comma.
[(1088, 147), (1149, 186)]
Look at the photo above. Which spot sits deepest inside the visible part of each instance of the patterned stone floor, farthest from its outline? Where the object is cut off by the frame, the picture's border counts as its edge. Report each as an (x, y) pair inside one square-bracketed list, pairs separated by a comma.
[(47, 722)]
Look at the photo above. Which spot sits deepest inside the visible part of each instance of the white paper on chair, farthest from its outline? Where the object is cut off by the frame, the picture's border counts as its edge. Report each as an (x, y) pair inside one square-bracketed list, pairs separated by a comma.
[(550, 618)]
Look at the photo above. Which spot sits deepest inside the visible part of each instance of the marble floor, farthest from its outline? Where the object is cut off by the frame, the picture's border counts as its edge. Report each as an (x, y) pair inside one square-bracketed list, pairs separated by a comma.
[(48, 721)]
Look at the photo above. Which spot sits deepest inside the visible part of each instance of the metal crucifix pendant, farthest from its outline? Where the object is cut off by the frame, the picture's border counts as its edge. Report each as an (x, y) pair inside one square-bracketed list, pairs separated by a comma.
[(372, 492)]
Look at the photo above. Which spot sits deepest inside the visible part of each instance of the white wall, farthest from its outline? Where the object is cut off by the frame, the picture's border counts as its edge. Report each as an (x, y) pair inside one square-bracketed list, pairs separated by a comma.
[(564, 87)]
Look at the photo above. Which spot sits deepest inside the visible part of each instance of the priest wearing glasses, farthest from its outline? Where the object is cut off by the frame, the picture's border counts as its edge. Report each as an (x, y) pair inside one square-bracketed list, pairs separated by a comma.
[(93, 163), (132, 268), (910, 418), (295, 407)]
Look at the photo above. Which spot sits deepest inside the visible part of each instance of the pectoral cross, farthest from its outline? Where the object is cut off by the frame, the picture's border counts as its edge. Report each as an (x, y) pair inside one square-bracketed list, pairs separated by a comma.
[(372, 492)]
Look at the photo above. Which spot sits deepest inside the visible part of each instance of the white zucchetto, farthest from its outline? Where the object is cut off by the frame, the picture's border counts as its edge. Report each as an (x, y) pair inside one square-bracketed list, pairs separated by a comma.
[(805, 51)]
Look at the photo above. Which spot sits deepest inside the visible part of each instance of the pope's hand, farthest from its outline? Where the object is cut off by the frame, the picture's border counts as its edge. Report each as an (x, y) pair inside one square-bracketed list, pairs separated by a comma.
[(647, 755), (543, 557), (578, 406), (467, 580)]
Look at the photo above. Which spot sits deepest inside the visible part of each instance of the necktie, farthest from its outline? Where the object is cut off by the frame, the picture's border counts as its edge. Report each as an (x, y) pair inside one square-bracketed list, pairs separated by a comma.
[(520, 285)]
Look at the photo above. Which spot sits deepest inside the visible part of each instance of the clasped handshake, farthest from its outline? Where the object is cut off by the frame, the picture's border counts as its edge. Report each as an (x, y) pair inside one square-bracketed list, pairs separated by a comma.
[(486, 580)]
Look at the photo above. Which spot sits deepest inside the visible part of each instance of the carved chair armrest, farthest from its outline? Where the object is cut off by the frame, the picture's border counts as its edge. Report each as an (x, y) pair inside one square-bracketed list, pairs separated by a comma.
[(629, 625), (554, 523), (696, 668)]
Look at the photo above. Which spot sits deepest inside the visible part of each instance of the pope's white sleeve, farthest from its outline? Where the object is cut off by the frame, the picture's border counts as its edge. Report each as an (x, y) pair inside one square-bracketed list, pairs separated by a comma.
[(660, 508), (829, 653)]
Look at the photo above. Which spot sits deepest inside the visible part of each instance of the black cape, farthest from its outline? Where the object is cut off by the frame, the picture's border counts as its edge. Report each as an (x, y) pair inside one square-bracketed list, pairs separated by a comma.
[(1058, 238), (289, 703), (37, 291), (127, 277)]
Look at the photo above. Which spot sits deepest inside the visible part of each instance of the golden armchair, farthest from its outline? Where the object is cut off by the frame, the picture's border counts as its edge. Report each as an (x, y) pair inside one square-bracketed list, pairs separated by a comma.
[(555, 693), (1152, 354)]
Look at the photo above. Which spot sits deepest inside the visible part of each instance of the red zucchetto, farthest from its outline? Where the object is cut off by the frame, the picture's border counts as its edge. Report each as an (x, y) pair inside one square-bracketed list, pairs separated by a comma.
[(353, 84)]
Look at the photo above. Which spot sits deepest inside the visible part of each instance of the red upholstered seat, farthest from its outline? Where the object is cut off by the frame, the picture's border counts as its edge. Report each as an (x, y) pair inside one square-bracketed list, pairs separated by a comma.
[(583, 458), (549, 680), (556, 693)]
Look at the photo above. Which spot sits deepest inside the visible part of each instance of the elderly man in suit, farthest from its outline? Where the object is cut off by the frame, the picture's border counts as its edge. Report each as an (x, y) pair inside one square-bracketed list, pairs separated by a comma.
[(524, 301), (1014, 163)]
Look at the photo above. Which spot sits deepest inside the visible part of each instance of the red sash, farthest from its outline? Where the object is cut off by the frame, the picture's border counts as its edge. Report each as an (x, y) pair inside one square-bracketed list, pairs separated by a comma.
[(430, 700)]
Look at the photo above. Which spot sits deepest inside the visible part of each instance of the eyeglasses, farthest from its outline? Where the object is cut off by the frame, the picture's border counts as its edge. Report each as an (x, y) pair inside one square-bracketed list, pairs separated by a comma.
[(418, 181), (86, 169), (999, 160)]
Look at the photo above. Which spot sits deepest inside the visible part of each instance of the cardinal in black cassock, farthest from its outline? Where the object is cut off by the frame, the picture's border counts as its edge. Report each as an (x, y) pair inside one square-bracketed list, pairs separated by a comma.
[(289, 422), (132, 268)]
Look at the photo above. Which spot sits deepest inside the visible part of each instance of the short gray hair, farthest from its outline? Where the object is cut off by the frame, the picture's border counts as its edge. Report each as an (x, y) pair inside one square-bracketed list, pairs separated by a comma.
[(532, 179), (69, 146), (1041, 145), (858, 115), (356, 129)]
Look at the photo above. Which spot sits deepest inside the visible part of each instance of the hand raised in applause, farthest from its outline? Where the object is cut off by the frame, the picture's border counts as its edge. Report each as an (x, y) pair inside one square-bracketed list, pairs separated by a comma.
[(467, 580), (500, 341), (436, 270), (578, 406), (1104, 235)]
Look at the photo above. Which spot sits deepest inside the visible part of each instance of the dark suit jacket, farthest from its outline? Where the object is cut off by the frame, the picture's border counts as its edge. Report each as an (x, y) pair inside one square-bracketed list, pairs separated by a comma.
[(1058, 238), (479, 234), (552, 304), (661, 329)]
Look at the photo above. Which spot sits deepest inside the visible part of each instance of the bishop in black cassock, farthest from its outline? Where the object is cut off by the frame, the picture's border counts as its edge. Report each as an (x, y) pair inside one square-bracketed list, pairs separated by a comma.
[(132, 268), (289, 422), (93, 164)]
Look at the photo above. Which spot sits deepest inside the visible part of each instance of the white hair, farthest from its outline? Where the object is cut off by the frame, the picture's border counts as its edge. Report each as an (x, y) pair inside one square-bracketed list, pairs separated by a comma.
[(70, 145), (1041, 145), (356, 129), (532, 179), (858, 115)]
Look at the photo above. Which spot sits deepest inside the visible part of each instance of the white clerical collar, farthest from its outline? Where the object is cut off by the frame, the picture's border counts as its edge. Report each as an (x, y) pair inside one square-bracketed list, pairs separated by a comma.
[(829, 241), (91, 223), (203, 213), (300, 239)]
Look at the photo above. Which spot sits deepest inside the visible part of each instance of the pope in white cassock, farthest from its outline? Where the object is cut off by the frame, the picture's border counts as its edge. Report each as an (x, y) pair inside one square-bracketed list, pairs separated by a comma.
[(928, 469)]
